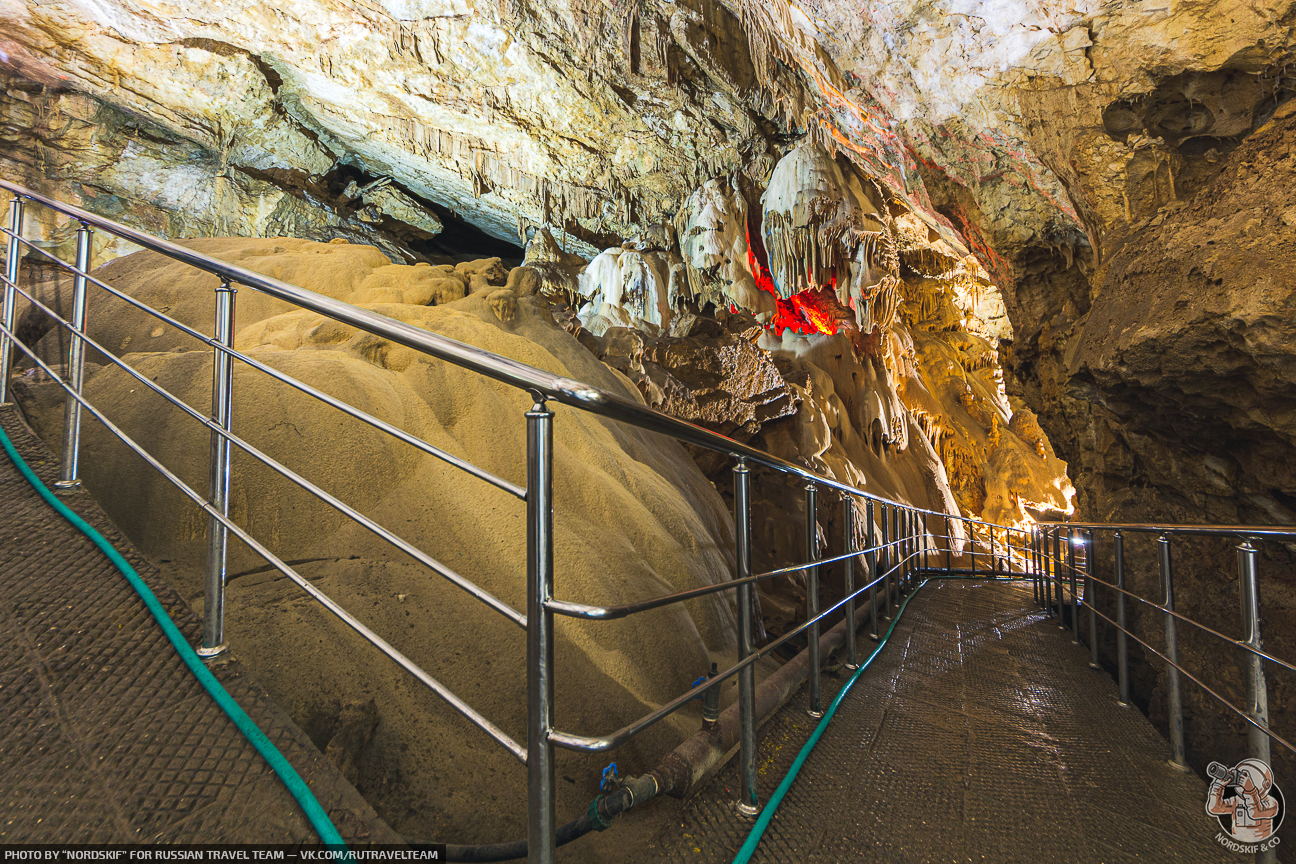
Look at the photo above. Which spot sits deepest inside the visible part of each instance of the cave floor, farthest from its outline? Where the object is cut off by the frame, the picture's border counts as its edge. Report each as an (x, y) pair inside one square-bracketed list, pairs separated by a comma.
[(106, 736), (979, 734)]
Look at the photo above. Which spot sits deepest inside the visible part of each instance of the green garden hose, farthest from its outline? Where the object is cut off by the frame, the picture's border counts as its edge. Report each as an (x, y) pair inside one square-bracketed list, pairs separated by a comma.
[(762, 822), (291, 779)]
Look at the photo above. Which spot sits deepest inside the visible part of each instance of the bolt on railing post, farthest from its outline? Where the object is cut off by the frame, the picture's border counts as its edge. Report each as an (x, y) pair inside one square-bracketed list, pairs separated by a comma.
[(872, 559), (218, 486), (13, 259), (1091, 600), (75, 365), (812, 597), (746, 676), (1257, 693), (1075, 594), (1122, 642), (542, 824), (848, 538), (1174, 699)]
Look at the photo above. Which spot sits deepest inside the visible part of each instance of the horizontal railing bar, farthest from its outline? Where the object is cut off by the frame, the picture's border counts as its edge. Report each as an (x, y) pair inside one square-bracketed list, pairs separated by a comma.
[(1274, 735), (327, 602), (608, 742), (1199, 530), (339, 505), (612, 613), (418, 443), (1157, 606)]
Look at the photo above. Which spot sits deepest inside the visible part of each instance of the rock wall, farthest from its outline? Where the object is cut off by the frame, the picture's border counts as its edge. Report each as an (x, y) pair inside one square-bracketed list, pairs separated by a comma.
[(1173, 378)]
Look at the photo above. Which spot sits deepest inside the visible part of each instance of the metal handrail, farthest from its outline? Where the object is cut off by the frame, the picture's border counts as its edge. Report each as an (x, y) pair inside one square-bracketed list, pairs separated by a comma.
[(1186, 530), (384, 646), (414, 441), (359, 518)]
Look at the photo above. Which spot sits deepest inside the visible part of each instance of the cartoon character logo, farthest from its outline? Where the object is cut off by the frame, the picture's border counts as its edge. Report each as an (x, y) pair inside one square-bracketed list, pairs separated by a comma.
[(1245, 800)]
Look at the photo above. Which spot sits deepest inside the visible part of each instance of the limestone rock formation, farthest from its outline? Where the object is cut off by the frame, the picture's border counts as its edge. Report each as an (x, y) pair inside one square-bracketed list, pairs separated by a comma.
[(971, 238)]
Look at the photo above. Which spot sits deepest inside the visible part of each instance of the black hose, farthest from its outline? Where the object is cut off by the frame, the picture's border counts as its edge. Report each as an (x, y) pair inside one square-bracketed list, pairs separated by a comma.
[(597, 817)]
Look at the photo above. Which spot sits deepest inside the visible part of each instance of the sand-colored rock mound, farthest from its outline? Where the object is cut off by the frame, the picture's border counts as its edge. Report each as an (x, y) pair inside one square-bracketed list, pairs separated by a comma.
[(634, 518)]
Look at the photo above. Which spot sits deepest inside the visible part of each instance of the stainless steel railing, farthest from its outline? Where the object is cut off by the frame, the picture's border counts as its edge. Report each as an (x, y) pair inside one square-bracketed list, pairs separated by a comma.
[(901, 539), (1053, 567)]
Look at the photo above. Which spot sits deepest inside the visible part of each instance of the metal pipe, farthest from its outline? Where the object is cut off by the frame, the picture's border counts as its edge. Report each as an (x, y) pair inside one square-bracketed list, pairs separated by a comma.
[(1091, 600), (926, 547), (848, 542), (1257, 693), (218, 486), (884, 523), (1032, 556), (13, 259), (1174, 699), (542, 822), (1057, 576), (1122, 640), (897, 559), (747, 802), (75, 365), (1075, 594), (872, 560), (949, 546), (812, 598)]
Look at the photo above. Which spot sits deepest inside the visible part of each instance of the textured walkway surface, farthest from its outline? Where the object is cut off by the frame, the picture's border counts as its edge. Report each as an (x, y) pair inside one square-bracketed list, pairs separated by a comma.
[(978, 735), (104, 734)]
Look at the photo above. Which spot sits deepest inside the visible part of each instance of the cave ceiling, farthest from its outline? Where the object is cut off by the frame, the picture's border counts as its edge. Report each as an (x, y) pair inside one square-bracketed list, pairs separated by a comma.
[(1007, 124)]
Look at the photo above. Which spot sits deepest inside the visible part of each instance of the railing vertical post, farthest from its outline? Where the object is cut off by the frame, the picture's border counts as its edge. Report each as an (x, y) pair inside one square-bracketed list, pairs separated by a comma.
[(972, 547), (1057, 575), (1122, 642), (746, 676), (218, 485), (1091, 600), (1257, 693), (75, 364), (885, 525), (872, 559), (949, 547), (812, 597), (1037, 564), (13, 259), (848, 542), (924, 535), (897, 567), (542, 824), (905, 542), (1174, 698), (1075, 594)]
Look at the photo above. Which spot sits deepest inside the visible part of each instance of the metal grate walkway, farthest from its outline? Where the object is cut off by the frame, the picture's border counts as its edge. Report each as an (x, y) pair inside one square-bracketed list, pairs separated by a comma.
[(979, 734), (106, 736)]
